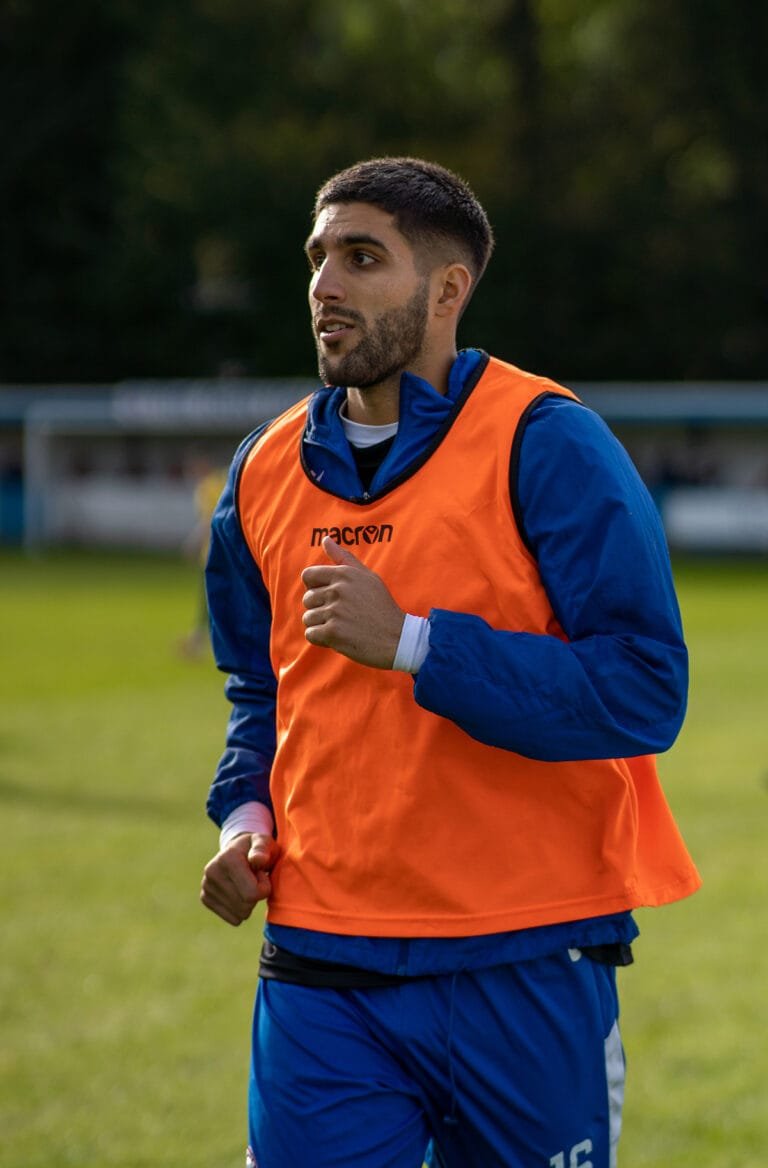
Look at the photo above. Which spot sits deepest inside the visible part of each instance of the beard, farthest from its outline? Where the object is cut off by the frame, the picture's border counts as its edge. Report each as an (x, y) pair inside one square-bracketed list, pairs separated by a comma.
[(387, 346)]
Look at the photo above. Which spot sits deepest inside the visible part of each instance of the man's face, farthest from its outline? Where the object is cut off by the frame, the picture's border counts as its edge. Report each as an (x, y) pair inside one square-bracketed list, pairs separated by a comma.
[(369, 303)]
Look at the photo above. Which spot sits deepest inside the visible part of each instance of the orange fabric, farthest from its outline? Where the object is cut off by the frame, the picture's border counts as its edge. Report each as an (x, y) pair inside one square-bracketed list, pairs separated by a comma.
[(392, 821)]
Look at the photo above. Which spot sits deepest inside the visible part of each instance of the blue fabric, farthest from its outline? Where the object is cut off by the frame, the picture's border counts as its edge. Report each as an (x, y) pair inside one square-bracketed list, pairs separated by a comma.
[(422, 412), (617, 689), (240, 619), (364, 1079), (425, 956)]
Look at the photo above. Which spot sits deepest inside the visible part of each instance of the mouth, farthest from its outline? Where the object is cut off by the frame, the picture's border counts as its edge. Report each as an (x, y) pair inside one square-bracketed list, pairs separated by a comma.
[(331, 330)]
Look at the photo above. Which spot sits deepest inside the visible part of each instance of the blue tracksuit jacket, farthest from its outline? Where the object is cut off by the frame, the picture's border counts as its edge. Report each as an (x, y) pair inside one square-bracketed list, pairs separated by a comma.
[(602, 555)]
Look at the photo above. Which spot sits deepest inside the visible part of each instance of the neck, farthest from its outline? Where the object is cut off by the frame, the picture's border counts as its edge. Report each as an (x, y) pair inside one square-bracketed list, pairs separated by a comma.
[(379, 404)]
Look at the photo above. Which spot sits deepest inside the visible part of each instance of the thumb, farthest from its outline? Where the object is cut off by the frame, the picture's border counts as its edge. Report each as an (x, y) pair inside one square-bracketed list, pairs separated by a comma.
[(262, 852), (339, 554)]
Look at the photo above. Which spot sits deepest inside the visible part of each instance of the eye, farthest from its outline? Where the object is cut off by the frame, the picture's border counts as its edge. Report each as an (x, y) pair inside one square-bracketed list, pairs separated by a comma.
[(362, 259), (315, 260)]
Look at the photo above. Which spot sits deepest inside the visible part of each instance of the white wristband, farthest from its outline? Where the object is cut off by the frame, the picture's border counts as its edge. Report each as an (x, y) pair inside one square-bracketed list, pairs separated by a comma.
[(254, 818), (413, 645)]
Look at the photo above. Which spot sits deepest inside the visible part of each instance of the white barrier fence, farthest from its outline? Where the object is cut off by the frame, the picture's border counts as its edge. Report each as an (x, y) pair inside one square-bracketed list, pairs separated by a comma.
[(107, 467)]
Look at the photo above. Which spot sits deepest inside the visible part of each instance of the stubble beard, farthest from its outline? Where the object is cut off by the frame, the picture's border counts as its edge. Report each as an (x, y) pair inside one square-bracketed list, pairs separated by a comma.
[(389, 346)]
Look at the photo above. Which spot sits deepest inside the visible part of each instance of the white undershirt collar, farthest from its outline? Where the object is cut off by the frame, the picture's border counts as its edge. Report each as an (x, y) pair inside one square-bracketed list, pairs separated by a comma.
[(361, 435)]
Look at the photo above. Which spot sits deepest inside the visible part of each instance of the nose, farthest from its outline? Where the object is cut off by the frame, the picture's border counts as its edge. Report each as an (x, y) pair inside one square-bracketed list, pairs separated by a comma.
[(326, 285)]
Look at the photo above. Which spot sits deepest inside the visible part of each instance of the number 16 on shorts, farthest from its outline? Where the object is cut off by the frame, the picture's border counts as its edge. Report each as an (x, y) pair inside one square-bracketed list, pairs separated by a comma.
[(574, 1157)]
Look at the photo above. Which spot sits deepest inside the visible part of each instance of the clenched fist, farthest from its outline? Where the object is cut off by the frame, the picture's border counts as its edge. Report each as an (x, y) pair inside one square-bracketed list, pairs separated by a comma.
[(237, 877), (350, 609)]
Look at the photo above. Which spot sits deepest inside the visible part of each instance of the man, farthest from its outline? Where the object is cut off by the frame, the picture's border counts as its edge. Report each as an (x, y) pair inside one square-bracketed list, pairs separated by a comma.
[(444, 601)]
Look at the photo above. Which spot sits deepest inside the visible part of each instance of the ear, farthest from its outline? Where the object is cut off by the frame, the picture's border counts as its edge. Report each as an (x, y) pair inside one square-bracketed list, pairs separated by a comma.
[(454, 283)]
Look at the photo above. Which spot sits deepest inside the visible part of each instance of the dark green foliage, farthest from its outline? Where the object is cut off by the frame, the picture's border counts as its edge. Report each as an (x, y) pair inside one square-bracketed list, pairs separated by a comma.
[(159, 163)]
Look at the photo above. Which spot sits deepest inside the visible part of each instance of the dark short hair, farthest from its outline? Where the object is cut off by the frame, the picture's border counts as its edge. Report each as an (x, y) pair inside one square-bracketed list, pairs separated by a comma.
[(433, 208)]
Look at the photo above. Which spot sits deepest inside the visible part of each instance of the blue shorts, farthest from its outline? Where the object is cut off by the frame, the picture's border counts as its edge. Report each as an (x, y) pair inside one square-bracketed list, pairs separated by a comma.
[(517, 1066)]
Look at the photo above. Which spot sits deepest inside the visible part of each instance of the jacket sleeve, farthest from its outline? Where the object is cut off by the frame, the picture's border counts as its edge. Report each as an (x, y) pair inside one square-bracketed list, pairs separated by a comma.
[(240, 620), (618, 686)]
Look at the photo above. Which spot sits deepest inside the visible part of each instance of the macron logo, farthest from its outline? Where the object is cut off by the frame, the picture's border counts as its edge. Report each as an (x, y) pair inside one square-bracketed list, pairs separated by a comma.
[(353, 536)]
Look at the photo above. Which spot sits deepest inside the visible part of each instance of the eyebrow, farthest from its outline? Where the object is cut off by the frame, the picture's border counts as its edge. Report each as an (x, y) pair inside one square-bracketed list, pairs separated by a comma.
[(355, 239)]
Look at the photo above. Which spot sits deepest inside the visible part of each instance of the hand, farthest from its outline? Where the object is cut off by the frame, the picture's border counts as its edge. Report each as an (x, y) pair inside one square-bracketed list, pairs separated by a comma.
[(237, 878), (349, 608)]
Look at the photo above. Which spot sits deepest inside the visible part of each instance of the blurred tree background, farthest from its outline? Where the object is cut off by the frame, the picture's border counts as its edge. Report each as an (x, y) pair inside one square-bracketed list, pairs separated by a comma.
[(159, 162)]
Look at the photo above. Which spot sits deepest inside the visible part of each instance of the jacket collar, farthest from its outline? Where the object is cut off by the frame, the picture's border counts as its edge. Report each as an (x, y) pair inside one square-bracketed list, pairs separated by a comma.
[(327, 454)]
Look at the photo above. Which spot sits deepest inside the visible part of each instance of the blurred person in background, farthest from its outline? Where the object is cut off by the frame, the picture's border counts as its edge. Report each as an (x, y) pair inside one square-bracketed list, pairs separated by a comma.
[(210, 481), (444, 601)]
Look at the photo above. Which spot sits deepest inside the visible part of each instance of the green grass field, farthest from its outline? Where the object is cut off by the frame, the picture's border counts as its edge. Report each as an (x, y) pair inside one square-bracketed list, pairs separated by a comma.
[(125, 1007)]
